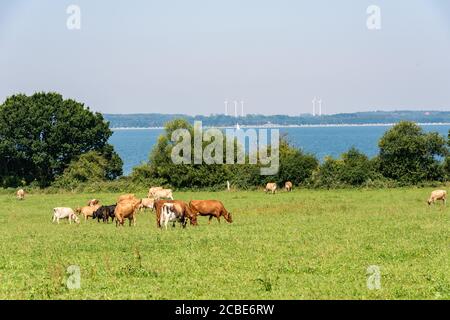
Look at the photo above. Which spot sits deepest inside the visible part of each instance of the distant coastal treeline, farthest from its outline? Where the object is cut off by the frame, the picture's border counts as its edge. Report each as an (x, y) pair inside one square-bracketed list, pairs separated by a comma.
[(152, 120)]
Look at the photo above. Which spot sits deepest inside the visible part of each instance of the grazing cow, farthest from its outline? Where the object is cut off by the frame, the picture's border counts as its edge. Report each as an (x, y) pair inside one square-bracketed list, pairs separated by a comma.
[(104, 213), (93, 202), (438, 195), (87, 211), (171, 212), (271, 187), (211, 208), (181, 209), (147, 203), (163, 194), (288, 186), (127, 209), (152, 190), (64, 213), (20, 194)]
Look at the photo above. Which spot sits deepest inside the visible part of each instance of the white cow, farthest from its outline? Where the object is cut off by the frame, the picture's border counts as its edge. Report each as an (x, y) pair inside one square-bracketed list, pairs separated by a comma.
[(168, 214), (64, 213), (438, 195), (20, 194), (151, 191), (163, 194)]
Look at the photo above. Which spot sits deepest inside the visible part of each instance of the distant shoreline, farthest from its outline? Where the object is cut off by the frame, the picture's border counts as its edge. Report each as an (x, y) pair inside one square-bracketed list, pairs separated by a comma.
[(267, 126)]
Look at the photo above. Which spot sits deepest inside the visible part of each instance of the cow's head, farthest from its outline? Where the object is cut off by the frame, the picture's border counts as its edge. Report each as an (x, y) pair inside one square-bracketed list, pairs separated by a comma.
[(229, 217), (193, 220)]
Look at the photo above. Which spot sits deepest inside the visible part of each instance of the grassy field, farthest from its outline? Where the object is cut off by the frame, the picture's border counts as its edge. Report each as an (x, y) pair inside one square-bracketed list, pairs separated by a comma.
[(301, 245)]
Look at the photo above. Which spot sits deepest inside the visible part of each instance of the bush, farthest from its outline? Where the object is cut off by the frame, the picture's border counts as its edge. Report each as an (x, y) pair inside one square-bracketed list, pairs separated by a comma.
[(88, 168), (353, 168), (410, 156)]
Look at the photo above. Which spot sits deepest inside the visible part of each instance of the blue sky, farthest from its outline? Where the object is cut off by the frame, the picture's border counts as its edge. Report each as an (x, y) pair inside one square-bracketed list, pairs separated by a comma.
[(189, 56)]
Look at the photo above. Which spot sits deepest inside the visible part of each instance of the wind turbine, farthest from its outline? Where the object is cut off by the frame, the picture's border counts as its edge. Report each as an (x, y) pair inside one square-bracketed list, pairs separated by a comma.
[(236, 114), (320, 106), (314, 107), (226, 108)]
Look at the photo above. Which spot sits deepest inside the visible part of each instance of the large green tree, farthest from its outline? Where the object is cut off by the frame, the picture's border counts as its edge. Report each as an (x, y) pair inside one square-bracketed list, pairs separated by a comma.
[(41, 134), (409, 155)]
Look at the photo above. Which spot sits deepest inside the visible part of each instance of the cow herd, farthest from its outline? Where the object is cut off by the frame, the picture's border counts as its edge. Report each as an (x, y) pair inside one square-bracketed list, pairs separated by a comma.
[(168, 211)]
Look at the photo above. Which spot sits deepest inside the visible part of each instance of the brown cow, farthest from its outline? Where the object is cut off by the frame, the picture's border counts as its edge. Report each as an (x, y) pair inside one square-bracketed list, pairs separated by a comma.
[(288, 186), (87, 211), (181, 209), (211, 208), (127, 209), (271, 187)]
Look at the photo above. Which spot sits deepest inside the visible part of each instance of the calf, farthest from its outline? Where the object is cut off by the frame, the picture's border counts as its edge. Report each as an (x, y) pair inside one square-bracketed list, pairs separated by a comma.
[(64, 213)]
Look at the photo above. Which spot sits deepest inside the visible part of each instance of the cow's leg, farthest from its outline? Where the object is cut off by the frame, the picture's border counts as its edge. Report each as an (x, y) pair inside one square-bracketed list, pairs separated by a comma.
[(57, 220), (218, 218), (54, 219), (210, 218)]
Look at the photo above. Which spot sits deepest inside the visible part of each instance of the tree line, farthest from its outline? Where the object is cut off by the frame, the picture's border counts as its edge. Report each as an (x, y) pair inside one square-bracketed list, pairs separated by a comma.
[(221, 120), (407, 156), (47, 141)]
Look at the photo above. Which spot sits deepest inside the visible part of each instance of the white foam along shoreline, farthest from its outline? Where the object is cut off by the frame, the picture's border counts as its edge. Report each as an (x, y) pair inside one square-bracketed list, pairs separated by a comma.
[(294, 126)]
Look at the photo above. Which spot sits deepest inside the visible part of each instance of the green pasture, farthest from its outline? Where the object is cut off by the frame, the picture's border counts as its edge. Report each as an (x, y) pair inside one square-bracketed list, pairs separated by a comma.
[(307, 244)]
